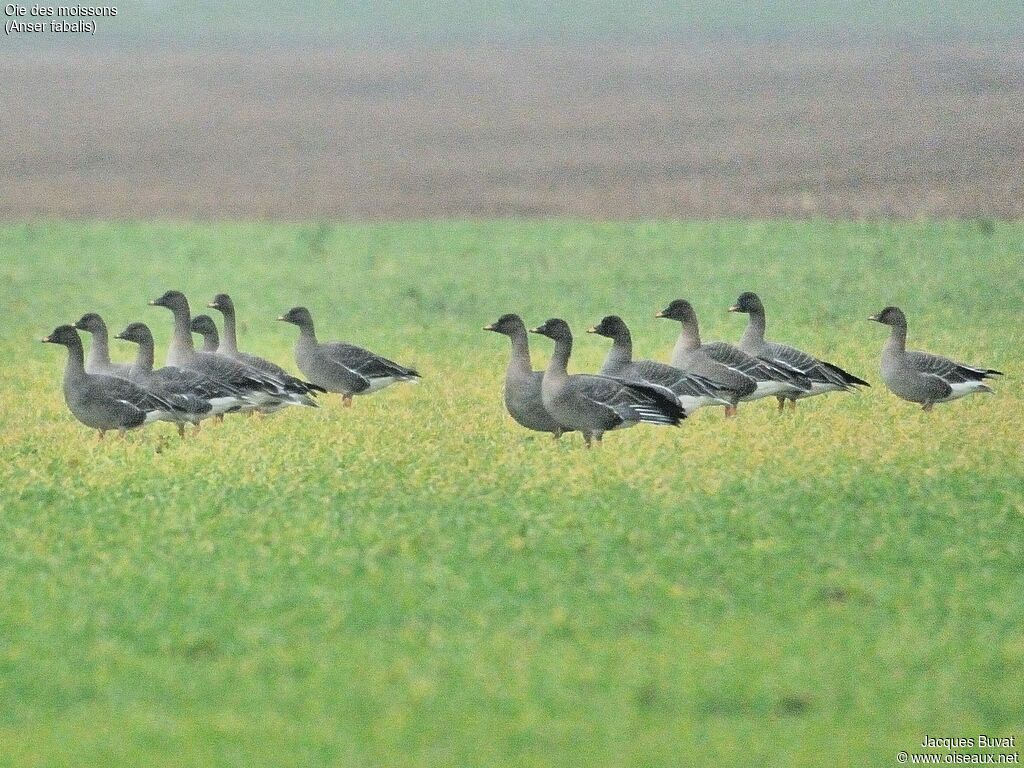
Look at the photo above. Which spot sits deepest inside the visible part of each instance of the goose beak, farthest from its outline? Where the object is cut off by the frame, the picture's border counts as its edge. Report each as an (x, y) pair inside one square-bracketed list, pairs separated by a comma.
[(734, 308), (212, 305), (592, 329), (490, 327), (46, 340), (873, 317), (535, 330), (152, 302), (660, 314), (281, 319)]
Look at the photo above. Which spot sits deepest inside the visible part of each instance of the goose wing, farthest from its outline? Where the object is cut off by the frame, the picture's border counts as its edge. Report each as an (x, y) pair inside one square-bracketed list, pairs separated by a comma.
[(629, 400), (239, 375), (365, 363), (679, 382), (228, 371), (116, 389), (948, 370), (757, 368), (270, 368), (817, 371), (186, 381)]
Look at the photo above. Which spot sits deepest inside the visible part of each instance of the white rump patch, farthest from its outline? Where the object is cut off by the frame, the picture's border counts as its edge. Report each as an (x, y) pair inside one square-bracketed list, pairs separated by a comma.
[(379, 384), (964, 388)]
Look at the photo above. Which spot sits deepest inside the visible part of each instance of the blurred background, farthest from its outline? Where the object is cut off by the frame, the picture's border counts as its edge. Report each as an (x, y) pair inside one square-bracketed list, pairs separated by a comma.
[(603, 110)]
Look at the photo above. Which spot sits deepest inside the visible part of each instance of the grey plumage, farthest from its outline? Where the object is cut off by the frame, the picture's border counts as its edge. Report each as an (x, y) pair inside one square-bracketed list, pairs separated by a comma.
[(692, 391), (229, 346), (595, 404), (207, 396), (691, 355), (263, 390), (734, 384), (103, 402), (920, 377), (523, 384), (207, 330), (98, 360), (343, 368), (823, 376)]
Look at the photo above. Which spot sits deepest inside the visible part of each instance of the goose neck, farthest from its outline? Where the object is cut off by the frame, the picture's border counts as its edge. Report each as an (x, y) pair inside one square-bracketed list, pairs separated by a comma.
[(210, 343), (144, 357), (621, 352), (559, 363), (754, 332), (230, 341), (897, 339), (99, 350), (689, 336), (75, 367), (181, 347), (519, 362)]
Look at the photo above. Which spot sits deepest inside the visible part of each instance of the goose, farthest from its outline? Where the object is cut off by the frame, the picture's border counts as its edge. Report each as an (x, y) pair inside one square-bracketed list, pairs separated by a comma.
[(207, 330), (689, 352), (103, 402), (215, 397), (920, 377), (229, 346), (342, 368), (691, 390), (205, 326), (595, 404), (824, 376), (734, 385), (523, 384), (263, 390), (99, 351)]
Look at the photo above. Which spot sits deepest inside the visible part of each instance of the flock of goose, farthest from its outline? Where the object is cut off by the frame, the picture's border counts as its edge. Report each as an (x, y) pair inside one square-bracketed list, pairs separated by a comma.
[(219, 378), (627, 392)]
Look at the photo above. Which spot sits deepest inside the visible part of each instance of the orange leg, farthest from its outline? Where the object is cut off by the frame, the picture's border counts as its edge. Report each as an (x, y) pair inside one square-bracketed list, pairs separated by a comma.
[(346, 400)]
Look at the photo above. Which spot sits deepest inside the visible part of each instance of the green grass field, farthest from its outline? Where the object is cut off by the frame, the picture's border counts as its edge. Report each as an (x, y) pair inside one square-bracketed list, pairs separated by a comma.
[(418, 582)]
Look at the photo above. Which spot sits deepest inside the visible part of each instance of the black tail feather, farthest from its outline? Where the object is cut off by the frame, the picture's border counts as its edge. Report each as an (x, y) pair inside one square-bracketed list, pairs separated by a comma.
[(664, 402), (848, 377)]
